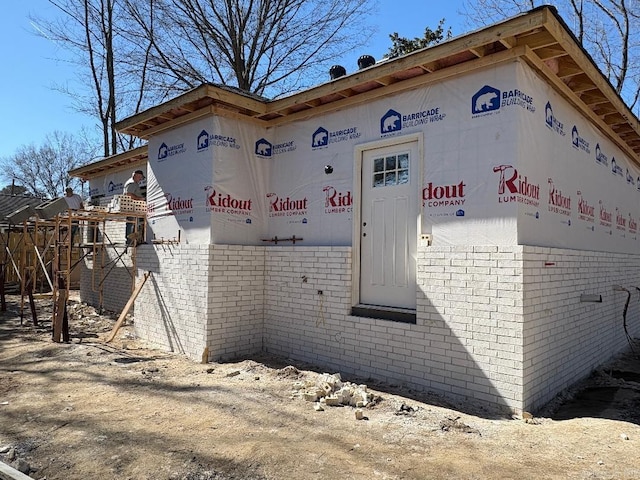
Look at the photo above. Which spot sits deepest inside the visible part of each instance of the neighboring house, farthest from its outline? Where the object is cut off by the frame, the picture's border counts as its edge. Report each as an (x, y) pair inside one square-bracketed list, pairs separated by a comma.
[(463, 219), (10, 204)]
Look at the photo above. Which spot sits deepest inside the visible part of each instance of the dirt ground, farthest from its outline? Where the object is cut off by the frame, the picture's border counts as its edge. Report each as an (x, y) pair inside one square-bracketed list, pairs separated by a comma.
[(91, 410)]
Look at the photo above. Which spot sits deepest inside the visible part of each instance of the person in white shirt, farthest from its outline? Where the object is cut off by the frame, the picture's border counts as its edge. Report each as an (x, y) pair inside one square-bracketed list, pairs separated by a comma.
[(73, 199), (133, 232), (74, 202)]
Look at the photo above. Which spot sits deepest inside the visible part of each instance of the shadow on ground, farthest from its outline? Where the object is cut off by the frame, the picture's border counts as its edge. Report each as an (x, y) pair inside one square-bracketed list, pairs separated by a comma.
[(612, 392)]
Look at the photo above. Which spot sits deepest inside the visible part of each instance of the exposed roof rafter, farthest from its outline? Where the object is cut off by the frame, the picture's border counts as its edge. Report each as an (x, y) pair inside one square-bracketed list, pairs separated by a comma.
[(539, 37)]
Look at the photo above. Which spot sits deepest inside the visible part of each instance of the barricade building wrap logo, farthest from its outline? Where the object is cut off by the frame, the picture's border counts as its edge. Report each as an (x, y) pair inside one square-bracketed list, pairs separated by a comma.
[(322, 137), (264, 148), (489, 100), (578, 142), (552, 122), (165, 151), (217, 202), (513, 187), (630, 179), (486, 100), (601, 158), (286, 207), (391, 122), (558, 203), (615, 168), (336, 201), (114, 187), (284, 147), (586, 211), (205, 141), (423, 117), (94, 192)]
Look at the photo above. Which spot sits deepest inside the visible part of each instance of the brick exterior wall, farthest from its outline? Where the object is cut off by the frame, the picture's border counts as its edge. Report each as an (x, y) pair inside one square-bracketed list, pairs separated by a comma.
[(564, 339), (235, 321), (498, 325), (466, 342), (202, 296)]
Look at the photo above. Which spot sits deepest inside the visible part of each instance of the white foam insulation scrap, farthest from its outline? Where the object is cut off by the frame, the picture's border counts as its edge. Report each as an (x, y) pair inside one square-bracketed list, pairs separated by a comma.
[(329, 389)]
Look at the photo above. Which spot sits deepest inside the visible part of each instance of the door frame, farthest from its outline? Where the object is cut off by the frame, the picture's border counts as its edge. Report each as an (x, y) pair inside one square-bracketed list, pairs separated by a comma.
[(358, 155)]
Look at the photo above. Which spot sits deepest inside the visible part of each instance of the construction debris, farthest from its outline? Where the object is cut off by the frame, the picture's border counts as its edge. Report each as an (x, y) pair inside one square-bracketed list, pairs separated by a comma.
[(330, 390)]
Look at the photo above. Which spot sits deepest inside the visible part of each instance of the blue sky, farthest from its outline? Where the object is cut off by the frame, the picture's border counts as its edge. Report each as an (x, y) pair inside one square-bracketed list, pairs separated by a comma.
[(31, 108)]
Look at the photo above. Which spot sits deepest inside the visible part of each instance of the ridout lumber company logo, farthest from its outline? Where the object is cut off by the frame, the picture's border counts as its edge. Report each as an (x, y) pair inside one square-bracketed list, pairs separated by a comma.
[(514, 187), (287, 206), (586, 211), (621, 220), (172, 205), (218, 202), (434, 196), (605, 216), (558, 202), (337, 201)]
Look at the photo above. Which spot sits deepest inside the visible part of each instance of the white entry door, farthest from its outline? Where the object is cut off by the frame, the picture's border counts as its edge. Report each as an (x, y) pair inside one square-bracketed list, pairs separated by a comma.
[(388, 225)]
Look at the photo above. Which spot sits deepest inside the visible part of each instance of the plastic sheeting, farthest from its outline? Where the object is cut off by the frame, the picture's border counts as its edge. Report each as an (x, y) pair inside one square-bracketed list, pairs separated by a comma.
[(506, 161)]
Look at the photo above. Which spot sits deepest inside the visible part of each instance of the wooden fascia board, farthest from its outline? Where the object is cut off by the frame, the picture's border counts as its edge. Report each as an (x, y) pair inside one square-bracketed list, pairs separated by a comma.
[(476, 40), (257, 107), (160, 110), (411, 83), (135, 156), (149, 132), (188, 102), (568, 94), (203, 112)]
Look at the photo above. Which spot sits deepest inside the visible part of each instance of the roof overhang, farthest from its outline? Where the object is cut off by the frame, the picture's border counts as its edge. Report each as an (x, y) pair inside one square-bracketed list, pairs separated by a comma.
[(539, 37), (130, 158)]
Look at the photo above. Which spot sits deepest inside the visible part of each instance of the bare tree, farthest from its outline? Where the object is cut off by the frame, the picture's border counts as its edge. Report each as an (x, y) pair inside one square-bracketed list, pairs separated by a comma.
[(43, 170), (608, 29), (94, 35), (266, 47)]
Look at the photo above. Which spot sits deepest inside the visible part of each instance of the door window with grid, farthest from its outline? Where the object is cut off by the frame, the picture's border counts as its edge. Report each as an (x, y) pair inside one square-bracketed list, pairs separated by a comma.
[(391, 170)]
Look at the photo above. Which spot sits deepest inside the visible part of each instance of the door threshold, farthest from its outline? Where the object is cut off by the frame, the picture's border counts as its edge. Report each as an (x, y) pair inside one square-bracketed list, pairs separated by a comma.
[(403, 315)]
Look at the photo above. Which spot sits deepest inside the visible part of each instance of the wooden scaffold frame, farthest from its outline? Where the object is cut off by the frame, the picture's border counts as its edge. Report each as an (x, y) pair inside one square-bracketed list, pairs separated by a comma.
[(47, 251)]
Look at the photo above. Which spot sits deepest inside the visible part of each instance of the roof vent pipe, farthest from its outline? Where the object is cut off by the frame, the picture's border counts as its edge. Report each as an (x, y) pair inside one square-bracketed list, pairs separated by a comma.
[(366, 61), (337, 71)]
